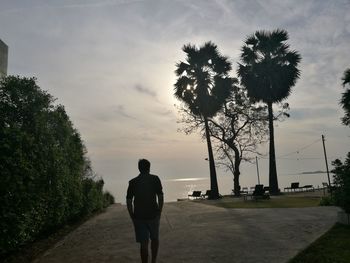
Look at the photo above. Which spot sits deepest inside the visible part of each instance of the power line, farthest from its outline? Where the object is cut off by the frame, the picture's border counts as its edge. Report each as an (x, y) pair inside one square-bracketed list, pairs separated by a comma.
[(301, 158), (282, 157), (299, 150)]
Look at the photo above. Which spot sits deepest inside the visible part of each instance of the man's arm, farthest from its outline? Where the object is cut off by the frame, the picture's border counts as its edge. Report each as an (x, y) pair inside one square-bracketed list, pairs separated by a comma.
[(129, 198), (160, 202), (160, 194), (130, 207)]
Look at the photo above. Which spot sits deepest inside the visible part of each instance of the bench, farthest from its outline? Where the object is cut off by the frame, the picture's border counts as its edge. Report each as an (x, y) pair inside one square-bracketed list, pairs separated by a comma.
[(293, 186), (308, 187), (195, 194)]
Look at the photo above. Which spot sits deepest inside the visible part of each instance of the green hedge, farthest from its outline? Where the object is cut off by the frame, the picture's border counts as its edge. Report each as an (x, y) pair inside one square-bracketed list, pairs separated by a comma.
[(46, 179), (342, 183)]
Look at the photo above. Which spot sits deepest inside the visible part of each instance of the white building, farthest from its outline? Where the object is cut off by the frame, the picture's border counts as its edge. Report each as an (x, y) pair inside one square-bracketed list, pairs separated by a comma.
[(3, 58)]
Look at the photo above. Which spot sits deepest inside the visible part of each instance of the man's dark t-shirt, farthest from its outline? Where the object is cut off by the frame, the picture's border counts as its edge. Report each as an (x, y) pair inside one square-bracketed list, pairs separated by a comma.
[(144, 189)]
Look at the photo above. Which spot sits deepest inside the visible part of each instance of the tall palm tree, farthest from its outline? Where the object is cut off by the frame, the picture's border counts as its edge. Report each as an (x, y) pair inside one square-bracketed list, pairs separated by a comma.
[(203, 84), (345, 100), (269, 71)]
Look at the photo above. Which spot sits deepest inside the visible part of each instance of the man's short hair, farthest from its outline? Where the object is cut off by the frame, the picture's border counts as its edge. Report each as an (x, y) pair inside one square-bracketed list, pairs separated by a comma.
[(144, 166)]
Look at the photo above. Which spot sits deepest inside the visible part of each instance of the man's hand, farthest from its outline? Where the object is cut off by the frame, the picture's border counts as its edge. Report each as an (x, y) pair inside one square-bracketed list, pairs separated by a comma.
[(130, 208)]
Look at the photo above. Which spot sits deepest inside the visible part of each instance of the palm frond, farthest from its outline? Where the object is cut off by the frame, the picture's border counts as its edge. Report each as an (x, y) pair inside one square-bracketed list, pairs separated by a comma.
[(346, 77), (251, 40), (268, 69), (279, 35), (181, 67), (248, 55), (345, 100), (206, 84), (293, 58)]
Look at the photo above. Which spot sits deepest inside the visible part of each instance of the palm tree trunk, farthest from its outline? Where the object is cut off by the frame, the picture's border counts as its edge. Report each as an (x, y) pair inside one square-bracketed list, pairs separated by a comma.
[(273, 182), (213, 180)]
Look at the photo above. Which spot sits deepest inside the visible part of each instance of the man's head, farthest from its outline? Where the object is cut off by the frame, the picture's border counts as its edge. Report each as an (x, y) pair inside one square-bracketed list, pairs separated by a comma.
[(144, 166)]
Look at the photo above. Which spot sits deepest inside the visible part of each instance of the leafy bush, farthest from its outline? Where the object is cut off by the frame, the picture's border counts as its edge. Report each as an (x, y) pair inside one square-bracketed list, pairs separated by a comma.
[(327, 201), (93, 197), (108, 199), (46, 179), (342, 182)]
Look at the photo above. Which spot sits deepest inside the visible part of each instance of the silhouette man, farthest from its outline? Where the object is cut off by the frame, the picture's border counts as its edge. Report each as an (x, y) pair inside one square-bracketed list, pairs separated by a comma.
[(145, 212)]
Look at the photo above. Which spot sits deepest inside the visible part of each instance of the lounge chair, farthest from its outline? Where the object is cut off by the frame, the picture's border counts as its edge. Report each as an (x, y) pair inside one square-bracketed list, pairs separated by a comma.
[(195, 195), (308, 187), (259, 193), (267, 189), (207, 194)]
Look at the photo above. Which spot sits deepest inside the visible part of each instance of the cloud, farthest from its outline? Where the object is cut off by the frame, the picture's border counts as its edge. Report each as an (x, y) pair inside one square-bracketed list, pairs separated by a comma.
[(143, 90), (313, 113), (63, 5), (165, 113), (120, 110)]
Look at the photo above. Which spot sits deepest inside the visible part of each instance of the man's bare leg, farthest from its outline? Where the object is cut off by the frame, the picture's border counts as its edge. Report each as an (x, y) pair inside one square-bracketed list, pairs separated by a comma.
[(154, 248), (144, 251)]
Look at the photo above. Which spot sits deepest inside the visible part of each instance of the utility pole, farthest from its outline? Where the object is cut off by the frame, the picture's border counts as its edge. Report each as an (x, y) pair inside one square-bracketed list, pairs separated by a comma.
[(257, 168), (325, 157)]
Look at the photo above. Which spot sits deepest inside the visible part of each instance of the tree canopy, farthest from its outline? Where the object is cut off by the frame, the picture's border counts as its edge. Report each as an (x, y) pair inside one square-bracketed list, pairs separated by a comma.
[(203, 84), (345, 100), (268, 67), (203, 81), (268, 70)]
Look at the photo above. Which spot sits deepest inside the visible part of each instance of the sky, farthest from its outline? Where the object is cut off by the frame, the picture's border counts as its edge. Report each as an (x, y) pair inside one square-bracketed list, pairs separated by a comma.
[(111, 64)]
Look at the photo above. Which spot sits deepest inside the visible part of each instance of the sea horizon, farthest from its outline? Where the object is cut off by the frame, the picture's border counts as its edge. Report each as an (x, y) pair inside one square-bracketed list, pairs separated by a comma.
[(180, 188)]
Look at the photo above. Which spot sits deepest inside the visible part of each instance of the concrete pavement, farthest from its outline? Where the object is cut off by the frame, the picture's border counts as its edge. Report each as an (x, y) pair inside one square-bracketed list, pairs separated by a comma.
[(192, 231)]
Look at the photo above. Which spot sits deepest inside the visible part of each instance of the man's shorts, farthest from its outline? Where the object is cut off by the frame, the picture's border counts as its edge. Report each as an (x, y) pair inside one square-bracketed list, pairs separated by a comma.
[(146, 229)]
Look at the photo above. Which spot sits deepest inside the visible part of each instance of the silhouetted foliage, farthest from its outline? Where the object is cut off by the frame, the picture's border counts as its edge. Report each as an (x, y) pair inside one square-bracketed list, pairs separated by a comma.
[(342, 182), (108, 199), (345, 100), (203, 85), (327, 201), (239, 128), (268, 70), (342, 170), (46, 179)]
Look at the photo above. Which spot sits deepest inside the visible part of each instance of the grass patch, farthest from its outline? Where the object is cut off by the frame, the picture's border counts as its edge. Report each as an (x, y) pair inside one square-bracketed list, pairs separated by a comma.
[(274, 202), (332, 247)]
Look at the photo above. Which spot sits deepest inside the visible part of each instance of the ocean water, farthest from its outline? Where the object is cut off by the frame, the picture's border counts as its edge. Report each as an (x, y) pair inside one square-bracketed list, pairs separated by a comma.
[(180, 187)]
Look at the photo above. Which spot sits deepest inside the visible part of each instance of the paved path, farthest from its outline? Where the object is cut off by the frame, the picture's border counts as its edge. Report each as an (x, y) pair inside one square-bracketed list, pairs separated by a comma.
[(195, 232)]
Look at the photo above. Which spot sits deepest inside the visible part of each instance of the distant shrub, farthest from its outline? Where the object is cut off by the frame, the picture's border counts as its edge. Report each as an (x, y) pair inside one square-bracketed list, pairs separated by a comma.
[(93, 195), (108, 199), (342, 183), (327, 201)]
